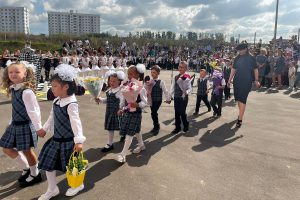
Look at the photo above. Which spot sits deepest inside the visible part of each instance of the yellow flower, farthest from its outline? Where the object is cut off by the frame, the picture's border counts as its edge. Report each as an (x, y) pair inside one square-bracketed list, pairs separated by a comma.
[(91, 79)]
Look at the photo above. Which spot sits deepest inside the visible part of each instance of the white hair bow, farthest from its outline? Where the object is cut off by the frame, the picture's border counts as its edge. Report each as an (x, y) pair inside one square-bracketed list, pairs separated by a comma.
[(27, 64)]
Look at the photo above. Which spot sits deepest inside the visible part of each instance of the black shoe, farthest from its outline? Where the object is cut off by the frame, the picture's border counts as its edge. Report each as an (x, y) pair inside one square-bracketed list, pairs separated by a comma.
[(219, 115), (122, 138), (215, 114), (238, 123), (195, 113), (107, 148), (175, 131), (209, 110), (155, 133), (23, 177), (36, 179), (186, 129)]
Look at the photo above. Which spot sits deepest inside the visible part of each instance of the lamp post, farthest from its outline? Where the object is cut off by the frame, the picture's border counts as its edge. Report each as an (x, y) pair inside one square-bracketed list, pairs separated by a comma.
[(275, 31)]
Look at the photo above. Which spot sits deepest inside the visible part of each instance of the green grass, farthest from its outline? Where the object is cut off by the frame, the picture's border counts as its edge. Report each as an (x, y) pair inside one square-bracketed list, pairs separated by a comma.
[(13, 45)]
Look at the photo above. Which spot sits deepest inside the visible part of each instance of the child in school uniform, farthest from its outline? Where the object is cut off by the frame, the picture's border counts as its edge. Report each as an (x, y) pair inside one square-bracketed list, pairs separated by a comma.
[(20, 137), (157, 88), (131, 120), (113, 101), (65, 124), (202, 91), (217, 92), (181, 88)]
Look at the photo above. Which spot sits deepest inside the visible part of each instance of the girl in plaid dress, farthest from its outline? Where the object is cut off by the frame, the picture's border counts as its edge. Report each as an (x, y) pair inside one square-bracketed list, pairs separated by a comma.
[(65, 124), (20, 136), (131, 121), (113, 101)]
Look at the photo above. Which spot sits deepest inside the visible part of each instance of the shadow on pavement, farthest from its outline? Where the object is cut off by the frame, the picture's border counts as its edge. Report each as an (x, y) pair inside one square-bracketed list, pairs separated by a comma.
[(295, 96), (271, 91), (10, 190), (138, 160), (196, 125), (230, 103), (5, 102), (287, 92), (168, 122), (218, 137)]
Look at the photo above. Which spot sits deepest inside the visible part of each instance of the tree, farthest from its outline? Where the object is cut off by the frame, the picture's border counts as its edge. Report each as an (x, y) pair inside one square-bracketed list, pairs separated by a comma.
[(163, 35), (169, 35)]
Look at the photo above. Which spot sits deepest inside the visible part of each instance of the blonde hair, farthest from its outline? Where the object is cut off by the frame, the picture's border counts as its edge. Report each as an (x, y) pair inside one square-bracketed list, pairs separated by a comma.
[(29, 80)]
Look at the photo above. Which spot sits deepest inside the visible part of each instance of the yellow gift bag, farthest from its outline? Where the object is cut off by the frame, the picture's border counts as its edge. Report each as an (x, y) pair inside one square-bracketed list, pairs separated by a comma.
[(76, 170)]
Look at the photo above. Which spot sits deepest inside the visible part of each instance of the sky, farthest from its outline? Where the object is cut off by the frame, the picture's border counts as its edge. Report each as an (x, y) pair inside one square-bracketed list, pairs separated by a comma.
[(231, 17)]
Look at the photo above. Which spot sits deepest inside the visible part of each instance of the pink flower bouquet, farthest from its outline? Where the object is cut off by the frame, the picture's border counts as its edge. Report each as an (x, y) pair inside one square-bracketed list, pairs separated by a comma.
[(130, 93), (184, 83)]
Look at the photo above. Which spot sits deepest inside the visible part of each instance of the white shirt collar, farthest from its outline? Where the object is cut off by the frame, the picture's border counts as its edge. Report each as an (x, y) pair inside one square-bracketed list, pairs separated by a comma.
[(16, 86), (114, 90), (65, 101)]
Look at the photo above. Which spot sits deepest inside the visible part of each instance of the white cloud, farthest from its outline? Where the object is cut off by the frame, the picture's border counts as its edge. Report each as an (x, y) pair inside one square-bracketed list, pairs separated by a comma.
[(231, 17)]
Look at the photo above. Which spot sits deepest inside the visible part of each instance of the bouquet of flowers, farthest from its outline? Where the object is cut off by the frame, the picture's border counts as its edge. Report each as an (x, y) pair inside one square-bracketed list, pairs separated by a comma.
[(217, 80), (76, 170), (93, 85), (184, 82), (130, 92), (149, 83)]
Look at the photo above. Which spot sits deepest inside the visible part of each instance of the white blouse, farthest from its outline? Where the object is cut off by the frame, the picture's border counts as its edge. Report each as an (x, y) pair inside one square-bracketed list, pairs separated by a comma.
[(73, 112), (31, 105), (164, 89)]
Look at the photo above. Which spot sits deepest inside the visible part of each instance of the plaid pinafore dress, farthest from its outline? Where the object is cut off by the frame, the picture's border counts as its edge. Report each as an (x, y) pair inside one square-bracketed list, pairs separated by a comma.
[(57, 150), (112, 121), (21, 133), (131, 121)]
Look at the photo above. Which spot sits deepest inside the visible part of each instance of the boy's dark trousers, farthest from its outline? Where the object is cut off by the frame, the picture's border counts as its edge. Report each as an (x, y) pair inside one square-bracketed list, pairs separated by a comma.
[(226, 91), (217, 100), (204, 98), (154, 108), (180, 105)]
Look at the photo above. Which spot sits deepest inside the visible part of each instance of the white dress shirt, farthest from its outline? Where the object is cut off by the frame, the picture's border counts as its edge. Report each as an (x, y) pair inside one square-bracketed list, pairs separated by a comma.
[(73, 113), (188, 86), (164, 88), (31, 105)]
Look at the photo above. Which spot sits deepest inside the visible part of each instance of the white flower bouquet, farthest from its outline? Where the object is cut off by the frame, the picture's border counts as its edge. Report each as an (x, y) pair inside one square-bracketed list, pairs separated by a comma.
[(94, 85)]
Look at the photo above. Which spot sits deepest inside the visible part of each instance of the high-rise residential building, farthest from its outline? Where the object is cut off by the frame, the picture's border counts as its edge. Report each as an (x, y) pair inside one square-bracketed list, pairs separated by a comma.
[(73, 23), (14, 20)]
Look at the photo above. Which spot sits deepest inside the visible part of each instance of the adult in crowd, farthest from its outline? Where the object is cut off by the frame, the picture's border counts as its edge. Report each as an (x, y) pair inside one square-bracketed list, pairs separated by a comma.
[(242, 75)]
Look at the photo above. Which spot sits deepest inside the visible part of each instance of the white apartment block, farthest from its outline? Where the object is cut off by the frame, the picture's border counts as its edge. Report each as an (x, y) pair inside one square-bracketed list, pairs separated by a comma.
[(14, 20), (73, 23)]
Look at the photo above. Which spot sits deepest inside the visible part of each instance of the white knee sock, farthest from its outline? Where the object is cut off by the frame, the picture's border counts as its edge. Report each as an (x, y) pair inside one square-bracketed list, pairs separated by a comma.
[(127, 144), (34, 171), (139, 139), (110, 137), (51, 179), (22, 161)]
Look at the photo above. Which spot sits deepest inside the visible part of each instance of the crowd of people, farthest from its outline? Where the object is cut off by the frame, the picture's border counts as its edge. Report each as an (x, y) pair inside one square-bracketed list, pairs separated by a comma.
[(218, 69)]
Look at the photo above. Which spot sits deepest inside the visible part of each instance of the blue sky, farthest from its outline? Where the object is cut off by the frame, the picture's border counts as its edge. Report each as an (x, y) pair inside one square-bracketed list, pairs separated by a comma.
[(231, 17)]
